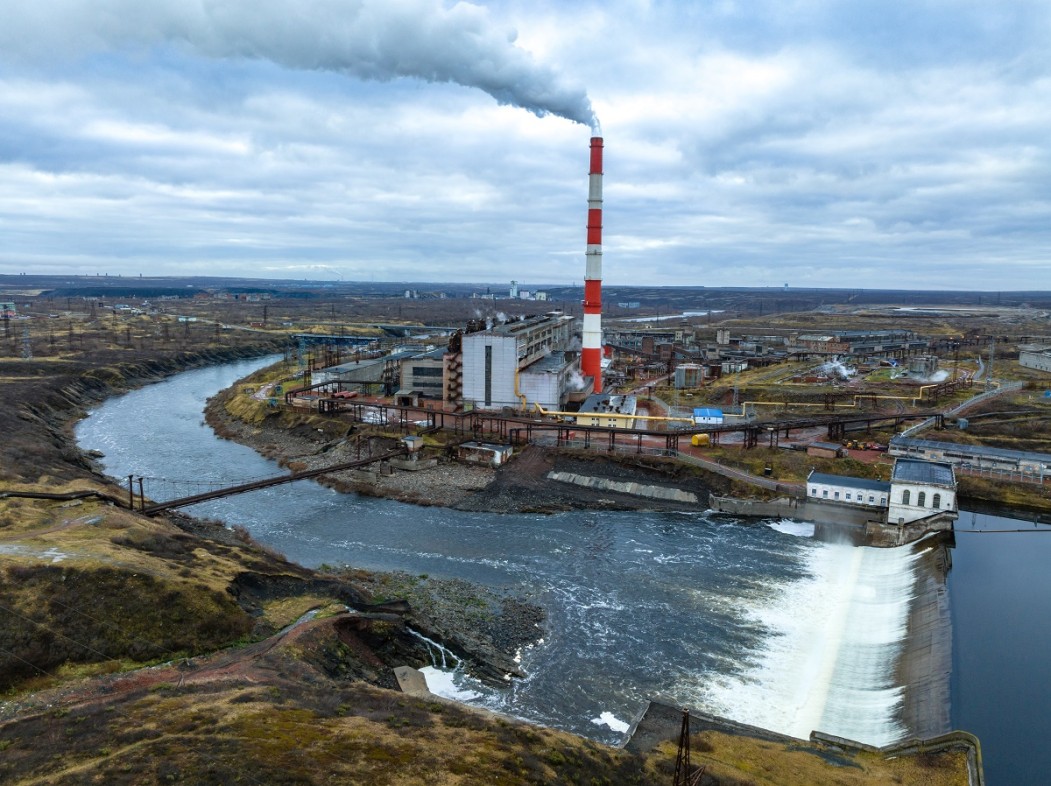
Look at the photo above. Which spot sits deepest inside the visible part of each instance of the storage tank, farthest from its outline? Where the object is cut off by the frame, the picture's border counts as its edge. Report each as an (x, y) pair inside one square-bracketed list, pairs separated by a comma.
[(700, 440), (689, 375)]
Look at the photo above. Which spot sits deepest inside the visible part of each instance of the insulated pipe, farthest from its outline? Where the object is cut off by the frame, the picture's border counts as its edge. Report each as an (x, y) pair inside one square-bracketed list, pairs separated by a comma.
[(591, 356)]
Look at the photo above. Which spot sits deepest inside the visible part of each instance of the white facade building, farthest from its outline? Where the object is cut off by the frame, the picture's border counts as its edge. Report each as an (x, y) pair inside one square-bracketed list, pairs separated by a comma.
[(847, 490), (495, 360), (919, 489)]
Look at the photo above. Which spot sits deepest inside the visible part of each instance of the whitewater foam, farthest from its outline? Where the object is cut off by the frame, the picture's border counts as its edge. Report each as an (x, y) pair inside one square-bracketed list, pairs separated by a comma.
[(800, 529), (828, 660), (611, 720)]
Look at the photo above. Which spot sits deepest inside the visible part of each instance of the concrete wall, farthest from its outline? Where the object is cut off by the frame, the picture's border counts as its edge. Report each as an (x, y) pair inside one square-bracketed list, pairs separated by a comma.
[(900, 512), (542, 388), (625, 487), (1041, 361), (839, 513), (428, 384)]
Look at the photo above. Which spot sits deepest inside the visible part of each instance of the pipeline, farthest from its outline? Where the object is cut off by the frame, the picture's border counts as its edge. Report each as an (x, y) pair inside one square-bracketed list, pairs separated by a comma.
[(611, 415), (857, 398)]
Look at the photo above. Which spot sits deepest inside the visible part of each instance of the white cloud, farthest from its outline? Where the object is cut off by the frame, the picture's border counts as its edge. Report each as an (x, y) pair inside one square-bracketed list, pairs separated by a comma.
[(820, 142)]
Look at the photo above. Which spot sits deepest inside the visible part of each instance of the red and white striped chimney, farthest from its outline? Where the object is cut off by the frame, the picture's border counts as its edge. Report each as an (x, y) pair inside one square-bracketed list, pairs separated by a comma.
[(591, 357)]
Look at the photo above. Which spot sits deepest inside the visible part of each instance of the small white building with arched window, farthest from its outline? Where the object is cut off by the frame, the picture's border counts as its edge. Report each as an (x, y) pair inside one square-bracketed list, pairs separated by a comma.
[(919, 489)]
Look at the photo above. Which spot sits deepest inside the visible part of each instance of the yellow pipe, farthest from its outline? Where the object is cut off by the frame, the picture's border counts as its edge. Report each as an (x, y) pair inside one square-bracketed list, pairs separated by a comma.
[(521, 395), (857, 396)]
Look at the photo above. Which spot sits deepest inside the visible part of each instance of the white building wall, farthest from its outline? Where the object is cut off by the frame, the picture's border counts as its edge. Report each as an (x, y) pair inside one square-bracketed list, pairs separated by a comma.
[(1040, 360), (902, 512), (848, 495), (544, 389), (504, 364)]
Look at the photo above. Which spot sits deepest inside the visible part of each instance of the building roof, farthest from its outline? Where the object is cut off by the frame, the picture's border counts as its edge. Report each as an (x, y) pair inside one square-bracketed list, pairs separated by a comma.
[(960, 449), (517, 326), (826, 446), (552, 363), (707, 412), (601, 403), (848, 481), (930, 472)]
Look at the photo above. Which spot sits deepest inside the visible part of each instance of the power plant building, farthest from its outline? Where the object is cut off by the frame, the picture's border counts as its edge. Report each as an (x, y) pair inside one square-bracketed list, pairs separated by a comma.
[(519, 364), (424, 374), (919, 489)]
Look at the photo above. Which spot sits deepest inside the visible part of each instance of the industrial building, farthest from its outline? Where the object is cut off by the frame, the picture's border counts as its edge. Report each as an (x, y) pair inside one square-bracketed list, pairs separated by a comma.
[(848, 490), (519, 364), (887, 343), (380, 374), (979, 458), (923, 366), (1035, 357), (601, 409), (424, 374), (919, 489), (708, 416)]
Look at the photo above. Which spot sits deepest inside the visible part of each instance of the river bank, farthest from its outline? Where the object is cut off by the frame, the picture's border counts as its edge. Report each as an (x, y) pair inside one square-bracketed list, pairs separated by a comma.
[(50, 474), (609, 581), (527, 484)]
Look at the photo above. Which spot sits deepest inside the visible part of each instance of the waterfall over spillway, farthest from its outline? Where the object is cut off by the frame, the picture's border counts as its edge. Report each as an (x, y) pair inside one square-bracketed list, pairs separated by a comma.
[(828, 662)]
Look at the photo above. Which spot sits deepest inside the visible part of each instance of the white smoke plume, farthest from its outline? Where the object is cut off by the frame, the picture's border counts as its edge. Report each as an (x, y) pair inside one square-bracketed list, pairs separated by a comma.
[(577, 380), (834, 368), (368, 39)]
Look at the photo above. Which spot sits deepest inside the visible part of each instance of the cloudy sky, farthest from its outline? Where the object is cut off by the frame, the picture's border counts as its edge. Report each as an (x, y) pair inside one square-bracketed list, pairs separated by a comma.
[(849, 144)]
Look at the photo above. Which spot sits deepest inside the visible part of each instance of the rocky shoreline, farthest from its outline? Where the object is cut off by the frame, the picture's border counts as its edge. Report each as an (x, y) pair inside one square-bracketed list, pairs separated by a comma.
[(522, 486)]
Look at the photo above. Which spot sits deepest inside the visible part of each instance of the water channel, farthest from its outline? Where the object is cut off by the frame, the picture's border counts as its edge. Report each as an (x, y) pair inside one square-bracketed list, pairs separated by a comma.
[(753, 620)]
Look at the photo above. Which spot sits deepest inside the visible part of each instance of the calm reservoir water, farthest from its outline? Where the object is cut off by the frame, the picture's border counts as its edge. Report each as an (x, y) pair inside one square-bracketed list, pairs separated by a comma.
[(756, 621)]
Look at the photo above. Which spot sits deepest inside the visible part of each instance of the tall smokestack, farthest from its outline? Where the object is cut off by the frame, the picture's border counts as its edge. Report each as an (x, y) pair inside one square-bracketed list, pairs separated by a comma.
[(591, 357)]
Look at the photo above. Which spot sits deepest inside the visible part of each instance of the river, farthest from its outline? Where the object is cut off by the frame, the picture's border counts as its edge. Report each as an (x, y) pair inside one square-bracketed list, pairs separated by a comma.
[(756, 621)]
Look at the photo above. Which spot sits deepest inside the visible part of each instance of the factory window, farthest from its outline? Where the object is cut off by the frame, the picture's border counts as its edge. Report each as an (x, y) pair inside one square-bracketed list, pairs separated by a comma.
[(813, 492), (921, 500), (848, 495), (824, 492), (489, 375), (905, 497), (936, 502), (870, 499), (837, 495)]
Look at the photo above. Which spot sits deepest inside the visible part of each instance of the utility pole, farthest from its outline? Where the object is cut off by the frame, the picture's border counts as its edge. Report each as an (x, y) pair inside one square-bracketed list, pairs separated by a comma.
[(992, 358), (684, 774)]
